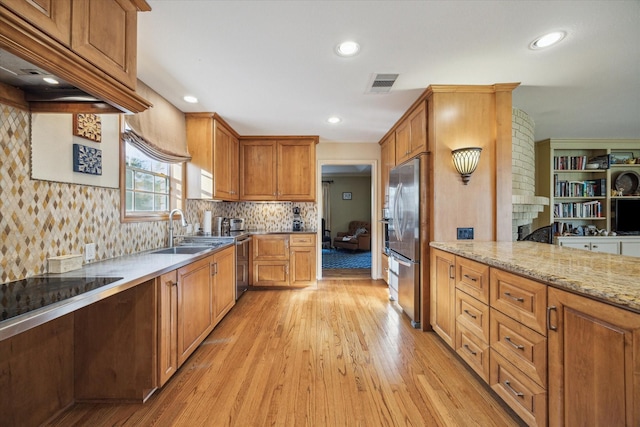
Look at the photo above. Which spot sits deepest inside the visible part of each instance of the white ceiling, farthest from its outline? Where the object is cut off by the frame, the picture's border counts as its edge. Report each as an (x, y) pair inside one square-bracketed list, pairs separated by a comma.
[(269, 67)]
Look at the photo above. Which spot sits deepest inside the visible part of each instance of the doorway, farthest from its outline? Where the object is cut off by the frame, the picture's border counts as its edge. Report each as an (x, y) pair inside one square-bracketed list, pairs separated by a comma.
[(346, 207)]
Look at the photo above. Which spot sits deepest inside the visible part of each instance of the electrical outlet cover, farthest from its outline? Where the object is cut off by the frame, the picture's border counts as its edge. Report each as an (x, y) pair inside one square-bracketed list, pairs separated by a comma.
[(89, 251), (465, 233)]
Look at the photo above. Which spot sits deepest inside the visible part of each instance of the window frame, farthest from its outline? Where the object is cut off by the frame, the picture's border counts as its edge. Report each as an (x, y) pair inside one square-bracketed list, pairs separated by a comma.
[(176, 175)]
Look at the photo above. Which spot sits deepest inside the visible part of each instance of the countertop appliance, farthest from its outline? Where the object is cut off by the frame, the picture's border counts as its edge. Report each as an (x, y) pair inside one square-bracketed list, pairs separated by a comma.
[(236, 224), (298, 225), (404, 237)]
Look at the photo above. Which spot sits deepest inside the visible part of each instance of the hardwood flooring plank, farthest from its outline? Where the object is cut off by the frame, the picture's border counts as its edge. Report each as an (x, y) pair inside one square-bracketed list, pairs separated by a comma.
[(339, 354)]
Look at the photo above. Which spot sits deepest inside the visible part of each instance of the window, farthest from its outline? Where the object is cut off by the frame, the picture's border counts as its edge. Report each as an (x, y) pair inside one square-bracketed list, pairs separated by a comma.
[(147, 183)]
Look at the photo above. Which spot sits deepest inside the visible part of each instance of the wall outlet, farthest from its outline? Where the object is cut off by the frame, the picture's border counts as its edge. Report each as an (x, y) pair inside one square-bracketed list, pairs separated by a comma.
[(89, 252), (465, 233)]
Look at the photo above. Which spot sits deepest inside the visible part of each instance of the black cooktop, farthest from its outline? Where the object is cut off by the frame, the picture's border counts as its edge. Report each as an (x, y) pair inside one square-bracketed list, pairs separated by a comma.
[(22, 296)]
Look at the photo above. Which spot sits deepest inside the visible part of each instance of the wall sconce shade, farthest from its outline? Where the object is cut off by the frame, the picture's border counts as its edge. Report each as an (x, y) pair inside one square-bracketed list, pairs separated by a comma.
[(466, 161)]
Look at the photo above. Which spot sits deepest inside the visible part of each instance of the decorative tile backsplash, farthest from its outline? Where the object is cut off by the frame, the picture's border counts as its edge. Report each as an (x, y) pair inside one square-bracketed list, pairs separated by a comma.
[(264, 216), (41, 219)]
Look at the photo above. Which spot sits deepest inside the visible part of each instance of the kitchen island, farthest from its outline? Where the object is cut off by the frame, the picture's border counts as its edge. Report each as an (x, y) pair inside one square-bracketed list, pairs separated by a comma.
[(554, 331)]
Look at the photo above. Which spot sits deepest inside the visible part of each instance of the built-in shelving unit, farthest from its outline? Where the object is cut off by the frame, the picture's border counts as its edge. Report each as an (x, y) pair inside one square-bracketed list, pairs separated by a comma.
[(579, 193)]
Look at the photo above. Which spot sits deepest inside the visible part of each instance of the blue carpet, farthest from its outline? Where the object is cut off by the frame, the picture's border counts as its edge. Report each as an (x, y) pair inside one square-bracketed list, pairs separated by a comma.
[(332, 258)]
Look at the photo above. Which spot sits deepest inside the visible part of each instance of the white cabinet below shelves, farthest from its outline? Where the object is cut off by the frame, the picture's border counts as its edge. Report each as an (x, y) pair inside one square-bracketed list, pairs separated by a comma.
[(617, 245)]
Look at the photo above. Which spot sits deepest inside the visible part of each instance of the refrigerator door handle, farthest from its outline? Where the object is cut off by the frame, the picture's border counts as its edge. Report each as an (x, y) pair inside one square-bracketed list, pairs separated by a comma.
[(401, 261), (396, 213)]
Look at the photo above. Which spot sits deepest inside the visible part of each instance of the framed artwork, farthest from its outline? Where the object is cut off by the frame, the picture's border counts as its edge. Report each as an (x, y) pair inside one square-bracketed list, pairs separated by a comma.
[(346, 196), (88, 126), (87, 159)]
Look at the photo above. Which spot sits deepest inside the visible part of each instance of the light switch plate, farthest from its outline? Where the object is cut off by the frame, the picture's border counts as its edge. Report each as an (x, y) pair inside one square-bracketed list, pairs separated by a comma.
[(89, 252), (465, 233)]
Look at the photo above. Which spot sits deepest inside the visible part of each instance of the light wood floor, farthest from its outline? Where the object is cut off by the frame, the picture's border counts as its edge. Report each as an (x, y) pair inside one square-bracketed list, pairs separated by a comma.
[(340, 354), (346, 273)]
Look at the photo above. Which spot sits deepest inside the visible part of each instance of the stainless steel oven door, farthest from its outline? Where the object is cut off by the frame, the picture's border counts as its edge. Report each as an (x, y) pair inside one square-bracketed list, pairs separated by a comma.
[(242, 266)]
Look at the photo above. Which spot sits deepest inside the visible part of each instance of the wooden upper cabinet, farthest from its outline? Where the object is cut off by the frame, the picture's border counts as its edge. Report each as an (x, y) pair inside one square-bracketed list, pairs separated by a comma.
[(258, 178), (388, 160), (296, 170), (212, 172), (105, 34), (282, 169), (411, 134), (51, 16)]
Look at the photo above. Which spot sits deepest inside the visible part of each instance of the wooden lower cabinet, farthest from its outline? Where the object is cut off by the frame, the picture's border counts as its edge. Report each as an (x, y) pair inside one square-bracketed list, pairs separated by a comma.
[(191, 302), (302, 259), (284, 260), (167, 285), (223, 283), (594, 362), (443, 287)]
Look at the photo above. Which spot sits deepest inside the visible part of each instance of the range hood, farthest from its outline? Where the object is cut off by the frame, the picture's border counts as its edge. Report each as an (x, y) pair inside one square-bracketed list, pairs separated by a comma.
[(29, 78)]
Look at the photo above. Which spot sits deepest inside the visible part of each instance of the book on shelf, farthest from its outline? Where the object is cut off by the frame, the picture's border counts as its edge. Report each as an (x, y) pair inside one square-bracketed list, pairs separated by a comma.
[(591, 209), (569, 162), (588, 188)]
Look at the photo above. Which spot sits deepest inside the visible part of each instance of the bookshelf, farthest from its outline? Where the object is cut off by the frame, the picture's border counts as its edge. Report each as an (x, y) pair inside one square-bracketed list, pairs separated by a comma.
[(580, 195)]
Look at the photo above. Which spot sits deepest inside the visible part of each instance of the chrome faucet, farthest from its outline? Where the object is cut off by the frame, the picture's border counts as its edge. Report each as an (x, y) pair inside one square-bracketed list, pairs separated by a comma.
[(183, 223)]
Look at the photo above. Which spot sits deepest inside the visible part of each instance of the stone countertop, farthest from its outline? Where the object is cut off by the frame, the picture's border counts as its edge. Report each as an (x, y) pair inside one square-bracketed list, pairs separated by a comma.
[(130, 270), (614, 279)]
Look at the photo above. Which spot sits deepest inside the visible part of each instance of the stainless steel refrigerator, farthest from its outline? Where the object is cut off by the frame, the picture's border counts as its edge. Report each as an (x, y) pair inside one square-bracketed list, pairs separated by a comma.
[(404, 237)]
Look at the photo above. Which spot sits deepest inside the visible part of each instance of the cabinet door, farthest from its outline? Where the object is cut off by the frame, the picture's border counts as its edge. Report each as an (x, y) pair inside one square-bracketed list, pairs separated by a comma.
[(594, 363), (167, 326), (258, 170), (271, 247), (200, 168), (630, 248), (224, 283), (302, 262), (403, 141), (443, 287), (296, 170), (605, 247), (51, 16), (105, 34), (418, 127), (195, 314), (271, 273), (225, 172), (388, 161)]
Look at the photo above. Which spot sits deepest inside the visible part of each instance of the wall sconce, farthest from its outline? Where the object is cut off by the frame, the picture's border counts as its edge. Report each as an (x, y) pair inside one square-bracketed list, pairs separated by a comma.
[(466, 161)]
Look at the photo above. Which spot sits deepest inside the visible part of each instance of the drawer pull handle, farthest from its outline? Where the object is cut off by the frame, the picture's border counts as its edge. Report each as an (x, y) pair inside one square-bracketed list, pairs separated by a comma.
[(473, 279), (508, 295), (517, 346), (466, 346), (511, 389), (549, 325), (470, 315)]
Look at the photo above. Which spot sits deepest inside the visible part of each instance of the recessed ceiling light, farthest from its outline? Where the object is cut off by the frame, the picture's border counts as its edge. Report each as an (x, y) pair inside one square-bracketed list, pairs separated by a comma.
[(547, 40), (50, 80), (348, 48), (334, 120), (191, 99)]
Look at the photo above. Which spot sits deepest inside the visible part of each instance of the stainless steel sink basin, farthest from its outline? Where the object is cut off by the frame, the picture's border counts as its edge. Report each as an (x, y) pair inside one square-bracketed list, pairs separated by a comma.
[(184, 250)]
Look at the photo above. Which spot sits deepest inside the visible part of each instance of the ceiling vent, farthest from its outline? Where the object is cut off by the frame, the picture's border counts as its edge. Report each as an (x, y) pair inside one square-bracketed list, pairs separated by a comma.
[(381, 83)]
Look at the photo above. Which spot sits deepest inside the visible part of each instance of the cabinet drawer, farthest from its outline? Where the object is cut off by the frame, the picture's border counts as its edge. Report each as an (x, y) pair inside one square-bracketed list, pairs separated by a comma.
[(521, 299), (473, 314), (524, 396), (271, 273), (521, 346), (473, 278), (473, 350), (302, 240)]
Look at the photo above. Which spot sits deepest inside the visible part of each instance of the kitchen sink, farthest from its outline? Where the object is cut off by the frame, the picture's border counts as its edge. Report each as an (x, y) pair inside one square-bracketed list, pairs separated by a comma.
[(184, 250)]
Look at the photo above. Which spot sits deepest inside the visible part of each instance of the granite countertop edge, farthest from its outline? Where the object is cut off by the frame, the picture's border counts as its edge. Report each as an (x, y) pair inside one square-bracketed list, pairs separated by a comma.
[(614, 279), (134, 269)]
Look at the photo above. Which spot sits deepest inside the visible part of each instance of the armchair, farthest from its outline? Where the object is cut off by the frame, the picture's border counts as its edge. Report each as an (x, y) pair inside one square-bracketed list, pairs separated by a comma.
[(358, 237)]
